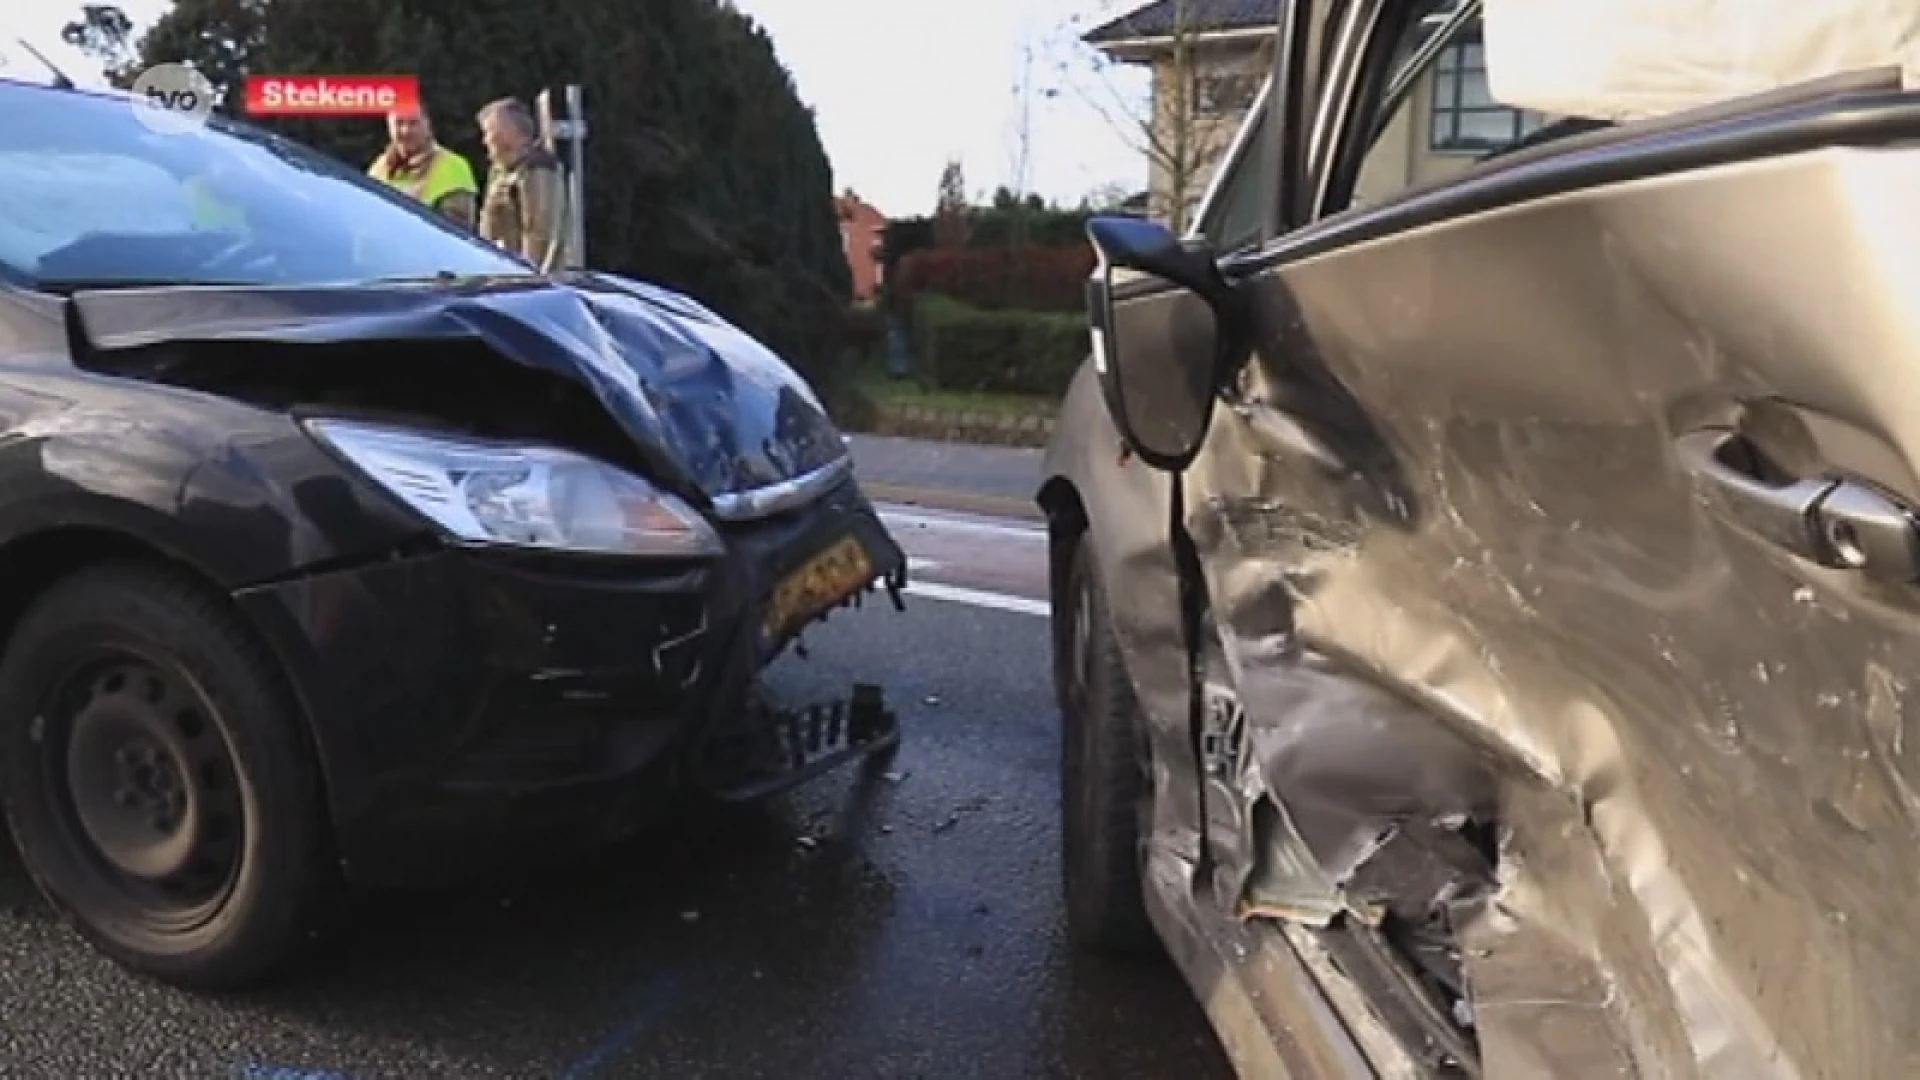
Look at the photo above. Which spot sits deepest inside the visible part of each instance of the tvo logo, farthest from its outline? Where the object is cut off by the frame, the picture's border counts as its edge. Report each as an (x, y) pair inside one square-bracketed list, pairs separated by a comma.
[(172, 99)]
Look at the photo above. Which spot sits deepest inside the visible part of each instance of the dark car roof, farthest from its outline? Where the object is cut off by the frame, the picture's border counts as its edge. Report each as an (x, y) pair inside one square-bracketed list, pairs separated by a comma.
[(11, 83)]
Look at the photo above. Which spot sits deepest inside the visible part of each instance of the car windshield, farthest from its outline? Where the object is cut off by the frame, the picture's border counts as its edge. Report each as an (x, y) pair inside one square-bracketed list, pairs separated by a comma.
[(94, 196)]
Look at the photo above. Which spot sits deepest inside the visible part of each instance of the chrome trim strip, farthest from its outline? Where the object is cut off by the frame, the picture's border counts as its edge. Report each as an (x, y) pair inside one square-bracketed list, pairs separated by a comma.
[(786, 495), (1236, 150), (1448, 28), (1449, 24), (1337, 104)]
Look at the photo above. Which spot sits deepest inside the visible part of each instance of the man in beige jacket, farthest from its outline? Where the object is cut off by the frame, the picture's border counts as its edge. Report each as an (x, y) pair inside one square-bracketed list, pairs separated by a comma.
[(521, 208)]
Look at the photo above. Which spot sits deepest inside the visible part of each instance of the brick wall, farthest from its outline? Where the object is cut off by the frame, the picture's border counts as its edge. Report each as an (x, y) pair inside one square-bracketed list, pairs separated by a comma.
[(861, 229)]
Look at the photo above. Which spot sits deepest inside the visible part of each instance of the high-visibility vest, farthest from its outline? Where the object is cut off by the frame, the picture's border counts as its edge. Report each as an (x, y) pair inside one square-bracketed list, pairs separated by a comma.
[(212, 213), (445, 173)]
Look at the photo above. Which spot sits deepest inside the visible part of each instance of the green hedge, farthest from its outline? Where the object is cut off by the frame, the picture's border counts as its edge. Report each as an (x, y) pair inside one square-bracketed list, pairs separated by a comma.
[(959, 347), (1030, 278)]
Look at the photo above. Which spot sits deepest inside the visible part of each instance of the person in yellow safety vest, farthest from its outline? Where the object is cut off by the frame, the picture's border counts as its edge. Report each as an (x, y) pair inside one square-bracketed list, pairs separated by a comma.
[(414, 163), (210, 212)]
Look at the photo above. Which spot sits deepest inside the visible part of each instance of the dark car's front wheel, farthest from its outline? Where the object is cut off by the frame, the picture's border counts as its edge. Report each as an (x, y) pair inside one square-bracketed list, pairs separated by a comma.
[(157, 778), (1103, 777)]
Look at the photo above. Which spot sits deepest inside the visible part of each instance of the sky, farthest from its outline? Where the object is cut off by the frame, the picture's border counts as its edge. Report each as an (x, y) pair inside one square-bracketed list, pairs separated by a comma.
[(898, 88), (39, 22)]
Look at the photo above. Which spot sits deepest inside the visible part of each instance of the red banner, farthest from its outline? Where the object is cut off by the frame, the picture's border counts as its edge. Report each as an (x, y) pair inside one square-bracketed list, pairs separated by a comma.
[(331, 95)]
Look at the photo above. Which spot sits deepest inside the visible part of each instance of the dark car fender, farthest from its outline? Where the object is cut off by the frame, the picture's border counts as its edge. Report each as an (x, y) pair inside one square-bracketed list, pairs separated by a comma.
[(239, 498), (239, 495)]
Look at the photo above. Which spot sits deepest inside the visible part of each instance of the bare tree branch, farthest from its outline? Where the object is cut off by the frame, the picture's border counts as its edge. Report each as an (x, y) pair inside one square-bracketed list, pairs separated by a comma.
[(1178, 129), (103, 32)]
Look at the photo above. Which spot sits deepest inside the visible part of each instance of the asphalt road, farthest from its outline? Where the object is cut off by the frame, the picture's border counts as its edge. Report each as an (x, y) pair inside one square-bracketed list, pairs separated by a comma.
[(997, 480), (897, 924)]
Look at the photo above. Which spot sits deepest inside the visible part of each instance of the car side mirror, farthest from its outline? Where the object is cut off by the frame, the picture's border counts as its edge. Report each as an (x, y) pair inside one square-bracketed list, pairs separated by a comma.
[(1157, 350)]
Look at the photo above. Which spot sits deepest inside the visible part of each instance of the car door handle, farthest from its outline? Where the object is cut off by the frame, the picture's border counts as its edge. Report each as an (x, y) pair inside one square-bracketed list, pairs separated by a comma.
[(1832, 521)]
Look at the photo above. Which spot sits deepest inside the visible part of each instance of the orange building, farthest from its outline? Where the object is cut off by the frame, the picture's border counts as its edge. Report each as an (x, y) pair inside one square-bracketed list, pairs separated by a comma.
[(862, 229)]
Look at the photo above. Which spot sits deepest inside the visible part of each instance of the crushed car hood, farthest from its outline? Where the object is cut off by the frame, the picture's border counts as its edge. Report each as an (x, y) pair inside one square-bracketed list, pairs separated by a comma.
[(699, 396)]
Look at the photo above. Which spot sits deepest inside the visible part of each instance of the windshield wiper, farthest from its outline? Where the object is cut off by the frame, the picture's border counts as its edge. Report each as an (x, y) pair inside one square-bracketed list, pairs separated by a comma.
[(69, 286), (449, 277)]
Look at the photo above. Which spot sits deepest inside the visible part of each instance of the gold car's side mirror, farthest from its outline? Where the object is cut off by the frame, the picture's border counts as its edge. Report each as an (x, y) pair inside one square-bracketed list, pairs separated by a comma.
[(1160, 316)]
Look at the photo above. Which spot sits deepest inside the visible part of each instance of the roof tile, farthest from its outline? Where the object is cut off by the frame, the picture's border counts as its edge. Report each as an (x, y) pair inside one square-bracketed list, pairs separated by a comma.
[(1161, 18)]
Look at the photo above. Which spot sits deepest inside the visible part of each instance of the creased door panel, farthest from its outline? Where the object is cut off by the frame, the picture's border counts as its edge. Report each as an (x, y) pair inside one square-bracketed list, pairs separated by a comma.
[(1452, 474)]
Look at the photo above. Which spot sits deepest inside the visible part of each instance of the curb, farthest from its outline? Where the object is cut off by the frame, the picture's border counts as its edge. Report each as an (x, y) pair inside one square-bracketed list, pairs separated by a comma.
[(945, 425), (963, 502)]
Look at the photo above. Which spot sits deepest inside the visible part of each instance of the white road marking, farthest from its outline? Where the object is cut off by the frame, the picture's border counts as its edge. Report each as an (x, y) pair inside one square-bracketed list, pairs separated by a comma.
[(990, 526), (979, 598), (934, 590), (897, 517)]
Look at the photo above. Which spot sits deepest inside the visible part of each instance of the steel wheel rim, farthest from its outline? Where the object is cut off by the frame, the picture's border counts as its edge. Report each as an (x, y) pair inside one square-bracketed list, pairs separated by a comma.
[(144, 788)]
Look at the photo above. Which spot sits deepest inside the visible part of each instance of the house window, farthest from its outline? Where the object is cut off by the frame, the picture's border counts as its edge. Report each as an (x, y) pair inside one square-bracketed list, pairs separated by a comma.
[(1224, 94), (1236, 219), (1466, 118)]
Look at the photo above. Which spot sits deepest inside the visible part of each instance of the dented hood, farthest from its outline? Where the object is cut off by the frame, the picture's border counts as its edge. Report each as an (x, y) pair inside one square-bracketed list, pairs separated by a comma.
[(700, 397)]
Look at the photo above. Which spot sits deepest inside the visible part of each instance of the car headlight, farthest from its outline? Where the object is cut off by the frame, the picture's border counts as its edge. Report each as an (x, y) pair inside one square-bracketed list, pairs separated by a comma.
[(526, 496)]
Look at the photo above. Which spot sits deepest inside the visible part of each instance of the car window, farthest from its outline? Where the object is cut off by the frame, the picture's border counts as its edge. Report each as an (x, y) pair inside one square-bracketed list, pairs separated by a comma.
[(1237, 214), (52, 198), (1446, 123), (90, 194)]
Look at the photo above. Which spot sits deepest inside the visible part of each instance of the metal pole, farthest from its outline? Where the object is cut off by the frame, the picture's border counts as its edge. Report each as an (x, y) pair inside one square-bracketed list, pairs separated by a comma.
[(543, 114), (577, 177), (553, 258)]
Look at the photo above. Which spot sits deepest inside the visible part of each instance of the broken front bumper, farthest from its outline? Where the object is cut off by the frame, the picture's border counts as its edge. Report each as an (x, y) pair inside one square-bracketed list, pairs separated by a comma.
[(475, 707)]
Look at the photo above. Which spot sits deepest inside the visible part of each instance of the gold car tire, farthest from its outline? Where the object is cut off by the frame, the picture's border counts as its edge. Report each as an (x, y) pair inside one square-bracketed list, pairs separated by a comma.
[(1104, 783)]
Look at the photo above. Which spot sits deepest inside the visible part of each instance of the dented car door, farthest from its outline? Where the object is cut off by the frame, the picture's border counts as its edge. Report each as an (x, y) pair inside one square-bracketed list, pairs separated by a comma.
[(1557, 548)]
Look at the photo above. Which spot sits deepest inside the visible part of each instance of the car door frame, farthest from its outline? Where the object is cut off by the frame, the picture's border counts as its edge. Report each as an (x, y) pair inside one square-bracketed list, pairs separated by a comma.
[(1269, 1000), (1328, 53), (1139, 544)]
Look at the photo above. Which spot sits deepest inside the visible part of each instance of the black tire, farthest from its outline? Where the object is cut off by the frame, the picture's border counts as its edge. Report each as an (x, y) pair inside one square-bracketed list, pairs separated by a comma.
[(133, 692), (1103, 779)]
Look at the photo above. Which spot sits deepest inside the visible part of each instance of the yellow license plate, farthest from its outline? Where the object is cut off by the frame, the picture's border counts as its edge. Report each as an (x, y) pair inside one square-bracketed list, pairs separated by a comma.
[(825, 580)]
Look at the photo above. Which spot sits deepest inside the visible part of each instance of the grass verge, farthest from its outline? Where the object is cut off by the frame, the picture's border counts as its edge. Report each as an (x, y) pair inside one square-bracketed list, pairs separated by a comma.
[(883, 391)]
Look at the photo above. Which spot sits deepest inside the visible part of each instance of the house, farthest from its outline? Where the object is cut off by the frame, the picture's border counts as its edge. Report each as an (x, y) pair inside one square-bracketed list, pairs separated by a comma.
[(862, 230), (1209, 58), (1449, 121)]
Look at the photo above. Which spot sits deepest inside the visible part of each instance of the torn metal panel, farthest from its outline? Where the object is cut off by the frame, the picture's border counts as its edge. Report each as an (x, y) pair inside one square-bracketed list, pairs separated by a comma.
[(765, 748), (1262, 994), (1352, 762)]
